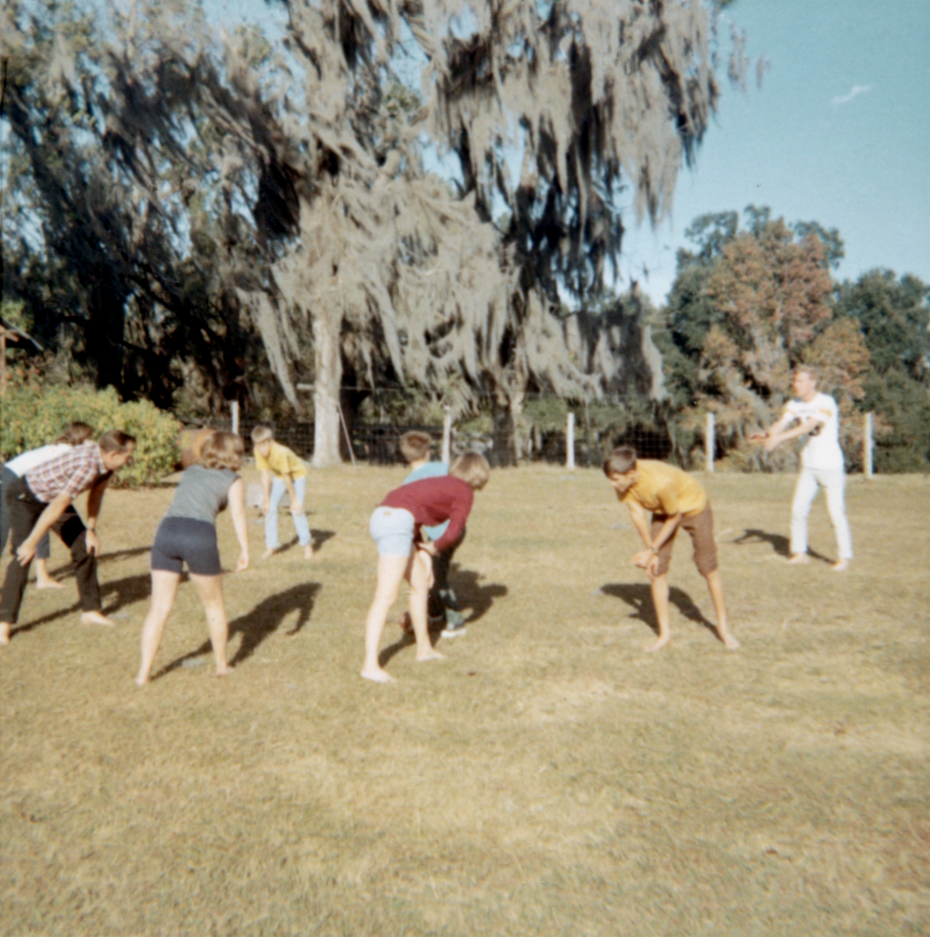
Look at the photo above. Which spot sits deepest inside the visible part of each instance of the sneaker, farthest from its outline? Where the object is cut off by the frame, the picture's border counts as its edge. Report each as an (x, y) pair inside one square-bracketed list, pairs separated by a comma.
[(453, 629)]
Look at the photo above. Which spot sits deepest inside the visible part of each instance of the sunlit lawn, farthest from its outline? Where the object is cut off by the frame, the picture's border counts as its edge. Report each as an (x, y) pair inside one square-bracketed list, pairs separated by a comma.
[(548, 777)]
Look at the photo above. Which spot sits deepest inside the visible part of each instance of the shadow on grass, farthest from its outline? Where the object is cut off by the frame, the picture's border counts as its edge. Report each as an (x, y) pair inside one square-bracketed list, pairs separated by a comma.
[(128, 590), (780, 543), (67, 569), (258, 624), (471, 595), (317, 539), (639, 597)]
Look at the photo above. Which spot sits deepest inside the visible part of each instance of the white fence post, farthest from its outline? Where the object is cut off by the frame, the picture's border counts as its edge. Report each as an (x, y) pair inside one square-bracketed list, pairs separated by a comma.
[(447, 435), (570, 441), (234, 416), (867, 443), (709, 440)]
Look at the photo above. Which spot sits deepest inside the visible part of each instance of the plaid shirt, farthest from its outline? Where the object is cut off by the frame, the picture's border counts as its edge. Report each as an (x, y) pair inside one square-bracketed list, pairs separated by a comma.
[(70, 473)]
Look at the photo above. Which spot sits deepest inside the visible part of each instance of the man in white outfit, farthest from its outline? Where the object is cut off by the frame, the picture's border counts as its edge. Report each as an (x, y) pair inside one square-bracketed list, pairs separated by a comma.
[(817, 416)]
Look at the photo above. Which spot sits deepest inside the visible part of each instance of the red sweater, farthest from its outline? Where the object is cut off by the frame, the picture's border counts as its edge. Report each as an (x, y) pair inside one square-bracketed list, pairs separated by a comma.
[(432, 501)]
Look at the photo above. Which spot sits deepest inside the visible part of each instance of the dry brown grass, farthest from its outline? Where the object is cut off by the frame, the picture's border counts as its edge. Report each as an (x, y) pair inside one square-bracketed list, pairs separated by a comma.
[(546, 778)]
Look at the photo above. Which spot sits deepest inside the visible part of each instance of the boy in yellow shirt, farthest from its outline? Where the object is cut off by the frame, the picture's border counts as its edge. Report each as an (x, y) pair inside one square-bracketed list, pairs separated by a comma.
[(674, 500), (290, 475)]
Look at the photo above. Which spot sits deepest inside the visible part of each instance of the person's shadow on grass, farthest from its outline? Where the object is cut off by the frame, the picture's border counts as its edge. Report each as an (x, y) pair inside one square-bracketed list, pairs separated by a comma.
[(129, 590), (471, 595), (255, 626), (781, 545), (317, 539), (639, 597)]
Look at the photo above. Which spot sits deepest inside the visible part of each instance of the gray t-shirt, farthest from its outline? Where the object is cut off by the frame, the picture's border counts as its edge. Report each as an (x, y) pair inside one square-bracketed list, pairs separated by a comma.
[(202, 493)]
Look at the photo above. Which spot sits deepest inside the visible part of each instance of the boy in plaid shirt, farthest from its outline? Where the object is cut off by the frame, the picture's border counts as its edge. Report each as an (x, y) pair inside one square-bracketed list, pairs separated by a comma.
[(43, 500)]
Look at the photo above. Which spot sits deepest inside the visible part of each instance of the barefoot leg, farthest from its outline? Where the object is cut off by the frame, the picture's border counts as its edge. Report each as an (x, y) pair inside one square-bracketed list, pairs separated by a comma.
[(210, 590), (164, 589), (660, 603), (390, 575)]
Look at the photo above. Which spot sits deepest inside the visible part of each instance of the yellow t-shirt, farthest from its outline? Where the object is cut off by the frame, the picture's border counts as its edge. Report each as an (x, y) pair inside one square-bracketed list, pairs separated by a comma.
[(664, 489), (281, 461)]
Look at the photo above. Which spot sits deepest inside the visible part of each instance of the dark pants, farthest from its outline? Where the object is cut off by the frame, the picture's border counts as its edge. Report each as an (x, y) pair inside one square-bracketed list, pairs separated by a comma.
[(24, 510), (7, 478), (442, 600)]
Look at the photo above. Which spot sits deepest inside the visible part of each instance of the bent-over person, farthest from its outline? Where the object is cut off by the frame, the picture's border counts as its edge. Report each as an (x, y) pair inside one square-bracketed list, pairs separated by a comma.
[(42, 500)]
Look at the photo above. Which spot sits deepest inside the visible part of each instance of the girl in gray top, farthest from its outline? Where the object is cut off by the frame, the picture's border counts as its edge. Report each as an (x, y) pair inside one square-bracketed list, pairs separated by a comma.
[(187, 534)]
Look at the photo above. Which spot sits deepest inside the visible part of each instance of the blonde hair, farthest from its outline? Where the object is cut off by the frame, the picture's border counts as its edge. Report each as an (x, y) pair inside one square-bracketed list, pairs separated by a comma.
[(472, 468), (812, 371), (261, 434), (222, 450), (415, 445)]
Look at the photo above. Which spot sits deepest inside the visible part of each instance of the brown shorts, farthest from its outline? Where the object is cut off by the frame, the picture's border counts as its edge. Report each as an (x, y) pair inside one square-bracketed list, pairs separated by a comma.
[(701, 528)]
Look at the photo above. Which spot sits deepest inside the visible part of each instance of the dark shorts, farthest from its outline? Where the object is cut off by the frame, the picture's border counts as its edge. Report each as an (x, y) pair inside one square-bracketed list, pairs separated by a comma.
[(701, 529), (180, 540)]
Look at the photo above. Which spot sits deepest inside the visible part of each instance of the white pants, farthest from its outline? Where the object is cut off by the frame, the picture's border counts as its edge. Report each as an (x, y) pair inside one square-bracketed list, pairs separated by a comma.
[(834, 481)]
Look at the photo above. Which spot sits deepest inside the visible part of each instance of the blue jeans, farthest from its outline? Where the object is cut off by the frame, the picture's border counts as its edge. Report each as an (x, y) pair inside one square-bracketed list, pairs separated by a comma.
[(278, 491)]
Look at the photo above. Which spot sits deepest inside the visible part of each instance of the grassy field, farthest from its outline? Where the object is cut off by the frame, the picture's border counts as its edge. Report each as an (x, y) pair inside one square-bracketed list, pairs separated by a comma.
[(547, 778)]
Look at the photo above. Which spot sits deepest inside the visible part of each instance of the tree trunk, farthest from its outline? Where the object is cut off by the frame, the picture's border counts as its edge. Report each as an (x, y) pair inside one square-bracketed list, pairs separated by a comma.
[(327, 360)]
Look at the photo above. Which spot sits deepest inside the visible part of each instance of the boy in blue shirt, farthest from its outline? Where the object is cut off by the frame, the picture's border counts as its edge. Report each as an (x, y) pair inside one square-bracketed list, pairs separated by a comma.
[(443, 605)]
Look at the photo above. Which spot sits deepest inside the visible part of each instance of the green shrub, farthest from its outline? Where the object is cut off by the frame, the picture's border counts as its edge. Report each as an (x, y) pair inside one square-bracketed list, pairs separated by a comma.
[(34, 415)]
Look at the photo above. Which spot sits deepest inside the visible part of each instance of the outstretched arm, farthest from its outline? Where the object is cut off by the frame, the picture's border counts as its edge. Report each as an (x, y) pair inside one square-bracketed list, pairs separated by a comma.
[(774, 438), (240, 525)]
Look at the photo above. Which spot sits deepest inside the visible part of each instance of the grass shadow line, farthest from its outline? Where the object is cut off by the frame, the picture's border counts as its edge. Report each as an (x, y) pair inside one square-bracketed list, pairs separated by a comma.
[(639, 597), (258, 624), (781, 545)]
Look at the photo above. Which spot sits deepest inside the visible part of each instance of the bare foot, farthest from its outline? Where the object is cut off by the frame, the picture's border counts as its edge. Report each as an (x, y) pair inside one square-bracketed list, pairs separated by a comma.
[(223, 672), (48, 584), (659, 644), (430, 654), (378, 675), (729, 642), (798, 558), (142, 679), (840, 566), (308, 553), (97, 618), (267, 553), (4, 633)]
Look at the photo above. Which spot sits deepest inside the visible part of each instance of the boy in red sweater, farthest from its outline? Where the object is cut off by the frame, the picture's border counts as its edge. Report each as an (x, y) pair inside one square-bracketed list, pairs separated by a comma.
[(404, 552)]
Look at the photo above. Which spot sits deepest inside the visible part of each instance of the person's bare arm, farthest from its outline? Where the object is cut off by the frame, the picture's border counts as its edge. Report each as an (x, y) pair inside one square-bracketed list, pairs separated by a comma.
[(296, 506), (266, 491), (94, 503), (240, 525), (803, 429)]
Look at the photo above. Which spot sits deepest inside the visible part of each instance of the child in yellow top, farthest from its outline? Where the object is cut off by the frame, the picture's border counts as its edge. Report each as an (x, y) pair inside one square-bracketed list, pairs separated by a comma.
[(675, 500), (290, 475)]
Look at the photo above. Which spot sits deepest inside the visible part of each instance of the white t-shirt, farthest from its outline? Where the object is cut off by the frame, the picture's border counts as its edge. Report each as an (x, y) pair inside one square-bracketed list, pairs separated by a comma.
[(823, 443), (26, 461)]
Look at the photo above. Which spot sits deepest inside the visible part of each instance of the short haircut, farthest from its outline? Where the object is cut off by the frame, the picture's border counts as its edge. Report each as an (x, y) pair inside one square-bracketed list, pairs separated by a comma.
[(75, 434), (261, 434), (620, 461), (222, 450), (115, 440), (812, 371), (415, 445), (472, 468)]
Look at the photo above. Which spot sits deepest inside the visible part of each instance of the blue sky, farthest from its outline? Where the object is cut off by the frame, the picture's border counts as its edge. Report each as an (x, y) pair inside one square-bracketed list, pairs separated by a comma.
[(839, 133)]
